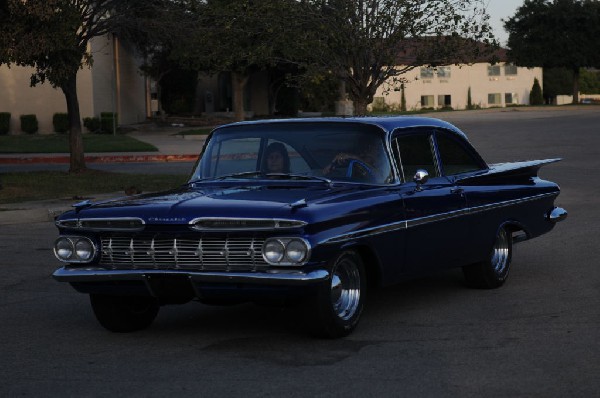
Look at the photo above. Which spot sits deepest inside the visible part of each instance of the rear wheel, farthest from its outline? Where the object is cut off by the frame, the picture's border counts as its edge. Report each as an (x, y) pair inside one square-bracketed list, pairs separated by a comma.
[(492, 272), (336, 308), (124, 314)]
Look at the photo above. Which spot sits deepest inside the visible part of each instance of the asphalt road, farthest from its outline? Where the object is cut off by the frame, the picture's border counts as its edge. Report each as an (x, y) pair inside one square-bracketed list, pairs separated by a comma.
[(539, 335)]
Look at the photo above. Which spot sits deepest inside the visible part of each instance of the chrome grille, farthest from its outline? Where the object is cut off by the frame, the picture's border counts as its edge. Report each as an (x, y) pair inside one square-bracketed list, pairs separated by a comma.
[(193, 253)]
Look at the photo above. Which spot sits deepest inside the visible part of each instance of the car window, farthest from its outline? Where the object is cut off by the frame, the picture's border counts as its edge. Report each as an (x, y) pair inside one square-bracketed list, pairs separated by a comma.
[(235, 156), (351, 152), (414, 152), (296, 163), (455, 158)]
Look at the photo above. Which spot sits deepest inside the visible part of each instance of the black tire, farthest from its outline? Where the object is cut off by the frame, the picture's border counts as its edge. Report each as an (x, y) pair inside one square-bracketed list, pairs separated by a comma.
[(492, 272), (335, 309), (123, 314)]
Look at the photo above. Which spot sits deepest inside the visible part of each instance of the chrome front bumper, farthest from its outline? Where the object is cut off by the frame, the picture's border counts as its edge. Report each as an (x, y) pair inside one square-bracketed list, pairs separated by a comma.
[(273, 278)]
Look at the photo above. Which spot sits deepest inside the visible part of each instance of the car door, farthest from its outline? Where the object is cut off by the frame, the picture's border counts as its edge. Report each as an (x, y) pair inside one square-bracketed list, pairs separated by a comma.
[(458, 159), (435, 236)]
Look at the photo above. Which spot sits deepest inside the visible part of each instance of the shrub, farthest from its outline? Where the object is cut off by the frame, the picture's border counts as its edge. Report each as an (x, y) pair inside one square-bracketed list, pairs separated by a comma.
[(469, 99), (60, 121), (536, 97), (29, 124), (108, 120), (4, 122), (92, 124)]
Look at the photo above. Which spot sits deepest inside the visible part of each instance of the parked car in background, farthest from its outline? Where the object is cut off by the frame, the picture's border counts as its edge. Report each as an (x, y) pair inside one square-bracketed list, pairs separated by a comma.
[(313, 211)]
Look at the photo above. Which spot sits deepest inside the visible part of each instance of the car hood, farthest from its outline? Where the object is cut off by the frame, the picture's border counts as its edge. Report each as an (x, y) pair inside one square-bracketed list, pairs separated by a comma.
[(250, 201)]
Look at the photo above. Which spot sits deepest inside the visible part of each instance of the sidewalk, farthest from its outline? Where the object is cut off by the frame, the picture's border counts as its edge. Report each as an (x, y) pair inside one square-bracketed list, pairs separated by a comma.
[(172, 147)]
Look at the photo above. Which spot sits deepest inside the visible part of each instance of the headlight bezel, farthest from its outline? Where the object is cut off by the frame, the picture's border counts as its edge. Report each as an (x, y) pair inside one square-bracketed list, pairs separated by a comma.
[(286, 259), (72, 242)]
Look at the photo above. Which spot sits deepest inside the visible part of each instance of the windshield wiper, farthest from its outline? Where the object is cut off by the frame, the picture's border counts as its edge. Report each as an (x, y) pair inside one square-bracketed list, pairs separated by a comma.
[(246, 174), (226, 176), (300, 177)]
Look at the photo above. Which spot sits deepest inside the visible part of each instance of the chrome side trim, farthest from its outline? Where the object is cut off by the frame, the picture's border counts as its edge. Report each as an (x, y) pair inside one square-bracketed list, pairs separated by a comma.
[(415, 222), (363, 233), (493, 206), (103, 224), (243, 224), (297, 278)]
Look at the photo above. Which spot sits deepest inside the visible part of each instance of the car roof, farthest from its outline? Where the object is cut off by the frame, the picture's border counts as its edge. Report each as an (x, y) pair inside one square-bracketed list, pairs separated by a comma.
[(386, 123)]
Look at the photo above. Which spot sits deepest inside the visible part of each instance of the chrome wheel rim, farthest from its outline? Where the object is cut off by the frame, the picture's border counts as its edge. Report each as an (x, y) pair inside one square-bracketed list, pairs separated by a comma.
[(345, 289), (500, 252)]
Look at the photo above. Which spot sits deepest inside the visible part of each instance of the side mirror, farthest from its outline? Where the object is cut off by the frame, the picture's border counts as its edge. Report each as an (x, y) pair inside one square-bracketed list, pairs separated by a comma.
[(420, 178)]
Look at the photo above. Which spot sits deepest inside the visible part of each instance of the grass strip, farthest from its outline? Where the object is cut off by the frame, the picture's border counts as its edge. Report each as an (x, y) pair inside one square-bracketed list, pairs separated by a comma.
[(59, 143)]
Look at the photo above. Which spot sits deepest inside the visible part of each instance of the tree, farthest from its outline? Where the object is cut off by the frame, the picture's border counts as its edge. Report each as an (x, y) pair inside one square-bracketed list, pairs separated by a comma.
[(590, 82), (368, 43), (53, 36), (242, 37), (557, 81), (559, 33), (535, 96), (160, 31)]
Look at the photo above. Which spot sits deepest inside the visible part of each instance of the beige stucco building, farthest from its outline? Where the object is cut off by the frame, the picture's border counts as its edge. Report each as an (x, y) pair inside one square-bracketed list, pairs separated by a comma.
[(113, 84), (497, 85)]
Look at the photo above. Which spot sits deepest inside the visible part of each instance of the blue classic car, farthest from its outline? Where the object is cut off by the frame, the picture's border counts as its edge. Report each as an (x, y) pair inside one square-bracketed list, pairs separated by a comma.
[(312, 211)]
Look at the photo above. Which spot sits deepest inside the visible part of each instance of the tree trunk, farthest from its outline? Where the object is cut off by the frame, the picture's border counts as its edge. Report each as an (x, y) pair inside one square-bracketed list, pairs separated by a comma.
[(575, 85), (360, 106), (77, 160), (238, 82)]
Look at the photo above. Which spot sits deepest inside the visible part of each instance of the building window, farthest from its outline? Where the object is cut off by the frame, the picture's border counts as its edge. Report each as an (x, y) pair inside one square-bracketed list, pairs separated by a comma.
[(427, 101), (426, 73), (494, 70), (511, 99), (510, 70), (494, 99), (444, 101), (443, 72)]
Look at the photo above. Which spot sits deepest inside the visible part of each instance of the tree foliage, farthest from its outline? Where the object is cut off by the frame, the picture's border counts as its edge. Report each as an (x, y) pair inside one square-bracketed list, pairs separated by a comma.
[(53, 36), (557, 81), (241, 37), (559, 33), (535, 95), (364, 41)]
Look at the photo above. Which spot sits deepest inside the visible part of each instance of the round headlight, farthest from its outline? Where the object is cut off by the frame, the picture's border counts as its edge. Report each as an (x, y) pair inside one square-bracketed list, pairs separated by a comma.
[(273, 251), (84, 249), (63, 248), (296, 251)]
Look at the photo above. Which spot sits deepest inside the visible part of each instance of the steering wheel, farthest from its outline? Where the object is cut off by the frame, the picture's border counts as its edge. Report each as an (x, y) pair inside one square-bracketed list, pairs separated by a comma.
[(368, 171)]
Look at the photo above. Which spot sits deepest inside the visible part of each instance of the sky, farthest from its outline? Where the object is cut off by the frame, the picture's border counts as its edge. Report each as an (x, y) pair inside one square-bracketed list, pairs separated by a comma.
[(501, 9)]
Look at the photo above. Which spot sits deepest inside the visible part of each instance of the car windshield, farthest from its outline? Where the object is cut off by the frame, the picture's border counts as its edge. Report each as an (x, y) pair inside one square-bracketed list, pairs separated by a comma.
[(323, 151)]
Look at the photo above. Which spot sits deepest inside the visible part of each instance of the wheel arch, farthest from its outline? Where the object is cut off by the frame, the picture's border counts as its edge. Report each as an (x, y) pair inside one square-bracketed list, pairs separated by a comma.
[(519, 232), (370, 261)]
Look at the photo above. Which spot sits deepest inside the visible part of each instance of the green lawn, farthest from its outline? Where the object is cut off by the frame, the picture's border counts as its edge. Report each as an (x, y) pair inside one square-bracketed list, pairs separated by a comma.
[(58, 143), (40, 185)]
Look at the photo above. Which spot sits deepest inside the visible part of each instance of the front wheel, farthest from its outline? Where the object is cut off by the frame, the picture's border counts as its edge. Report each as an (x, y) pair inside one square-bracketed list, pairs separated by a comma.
[(492, 272), (338, 304), (124, 314)]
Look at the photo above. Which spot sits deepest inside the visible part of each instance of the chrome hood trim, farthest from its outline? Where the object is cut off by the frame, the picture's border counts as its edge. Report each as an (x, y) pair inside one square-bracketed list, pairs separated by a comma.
[(103, 224), (243, 224)]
